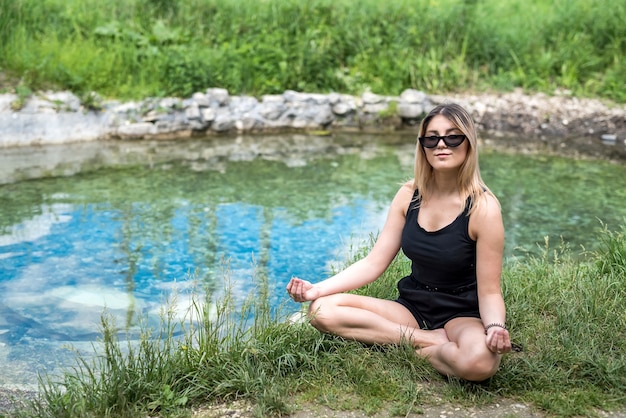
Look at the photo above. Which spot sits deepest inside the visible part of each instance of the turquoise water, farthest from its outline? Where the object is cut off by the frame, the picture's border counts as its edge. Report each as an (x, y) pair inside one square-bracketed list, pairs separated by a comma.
[(124, 229)]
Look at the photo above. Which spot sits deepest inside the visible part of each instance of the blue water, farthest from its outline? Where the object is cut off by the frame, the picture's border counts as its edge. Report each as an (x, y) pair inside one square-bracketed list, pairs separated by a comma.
[(126, 239), (114, 232), (73, 248)]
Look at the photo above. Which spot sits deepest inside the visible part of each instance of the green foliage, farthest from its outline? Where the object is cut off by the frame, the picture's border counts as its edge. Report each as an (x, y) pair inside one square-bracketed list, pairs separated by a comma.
[(555, 303), (187, 72), (23, 92), (614, 250), (140, 48)]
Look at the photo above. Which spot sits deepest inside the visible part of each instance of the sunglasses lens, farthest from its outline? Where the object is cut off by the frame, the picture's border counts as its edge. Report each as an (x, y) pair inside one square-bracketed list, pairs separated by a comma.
[(450, 140), (429, 141), (454, 140)]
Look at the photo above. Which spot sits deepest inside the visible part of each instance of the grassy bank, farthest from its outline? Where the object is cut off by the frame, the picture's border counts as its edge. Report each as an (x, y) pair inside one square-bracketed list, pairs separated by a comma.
[(139, 48), (568, 316)]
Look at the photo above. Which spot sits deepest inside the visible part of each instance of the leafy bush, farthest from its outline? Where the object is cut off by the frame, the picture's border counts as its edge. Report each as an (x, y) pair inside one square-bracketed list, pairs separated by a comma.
[(157, 47)]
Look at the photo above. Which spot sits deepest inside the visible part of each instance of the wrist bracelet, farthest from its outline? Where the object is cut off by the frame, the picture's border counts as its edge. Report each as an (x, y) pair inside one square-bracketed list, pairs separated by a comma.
[(495, 324)]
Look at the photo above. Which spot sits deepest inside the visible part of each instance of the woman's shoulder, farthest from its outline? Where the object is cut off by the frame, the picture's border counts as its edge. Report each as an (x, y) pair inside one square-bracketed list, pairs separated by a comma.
[(407, 189), (404, 195), (487, 210), (491, 201), (408, 185)]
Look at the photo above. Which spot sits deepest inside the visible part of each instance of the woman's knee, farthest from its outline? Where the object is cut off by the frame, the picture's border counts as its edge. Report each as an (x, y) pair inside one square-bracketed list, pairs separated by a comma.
[(321, 312), (477, 367)]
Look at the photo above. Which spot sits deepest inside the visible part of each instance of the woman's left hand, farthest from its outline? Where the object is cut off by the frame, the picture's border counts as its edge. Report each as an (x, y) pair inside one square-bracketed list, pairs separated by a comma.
[(498, 340)]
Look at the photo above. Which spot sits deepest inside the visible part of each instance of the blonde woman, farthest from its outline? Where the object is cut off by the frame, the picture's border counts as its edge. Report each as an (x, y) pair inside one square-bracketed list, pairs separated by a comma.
[(448, 223)]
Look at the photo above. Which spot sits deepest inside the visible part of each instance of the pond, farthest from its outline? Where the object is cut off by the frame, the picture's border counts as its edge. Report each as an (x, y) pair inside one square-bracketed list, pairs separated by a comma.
[(121, 225)]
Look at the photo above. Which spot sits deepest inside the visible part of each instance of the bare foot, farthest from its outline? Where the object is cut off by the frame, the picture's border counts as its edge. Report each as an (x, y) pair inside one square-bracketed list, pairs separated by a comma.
[(439, 336), (432, 337)]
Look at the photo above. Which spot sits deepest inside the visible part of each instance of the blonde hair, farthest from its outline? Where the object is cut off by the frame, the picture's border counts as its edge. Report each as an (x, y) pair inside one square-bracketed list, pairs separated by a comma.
[(469, 180)]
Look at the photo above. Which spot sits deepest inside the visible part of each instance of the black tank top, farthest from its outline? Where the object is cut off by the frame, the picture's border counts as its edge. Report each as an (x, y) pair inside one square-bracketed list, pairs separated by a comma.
[(443, 259)]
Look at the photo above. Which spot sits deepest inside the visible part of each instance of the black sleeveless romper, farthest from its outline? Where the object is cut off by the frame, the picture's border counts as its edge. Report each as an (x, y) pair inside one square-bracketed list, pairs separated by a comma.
[(442, 284)]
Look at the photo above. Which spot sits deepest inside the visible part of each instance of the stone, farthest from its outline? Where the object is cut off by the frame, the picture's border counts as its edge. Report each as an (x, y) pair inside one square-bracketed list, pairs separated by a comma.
[(371, 98), (311, 98), (342, 108), (242, 104), (375, 108), (412, 96), (410, 110), (323, 116), (219, 95), (223, 122), (193, 111), (271, 110), (5, 102), (208, 114), (248, 123), (201, 99), (136, 130)]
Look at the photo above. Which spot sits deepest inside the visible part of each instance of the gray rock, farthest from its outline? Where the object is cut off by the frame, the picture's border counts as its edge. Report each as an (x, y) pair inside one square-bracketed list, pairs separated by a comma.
[(136, 130), (63, 100), (5, 102), (248, 123), (219, 95), (371, 98), (410, 110), (609, 137), (243, 104), (170, 103), (192, 112), (271, 110), (375, 108), (413, 96), (208, 114), (309, 98), (223, 122), (18, 128), (323, 115), (342, 108), (201, 99)]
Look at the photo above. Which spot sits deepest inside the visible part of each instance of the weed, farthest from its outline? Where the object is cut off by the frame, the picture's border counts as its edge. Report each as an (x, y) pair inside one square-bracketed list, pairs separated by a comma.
[(223, 352), (149, 48)]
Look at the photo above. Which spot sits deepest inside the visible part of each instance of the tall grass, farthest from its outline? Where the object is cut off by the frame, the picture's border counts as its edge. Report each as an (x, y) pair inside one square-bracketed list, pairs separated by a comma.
[(139, 48), (568, 315)]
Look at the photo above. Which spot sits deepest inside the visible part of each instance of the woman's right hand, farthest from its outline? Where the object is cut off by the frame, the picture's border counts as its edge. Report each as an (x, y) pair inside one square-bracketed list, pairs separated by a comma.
[(301, 290)]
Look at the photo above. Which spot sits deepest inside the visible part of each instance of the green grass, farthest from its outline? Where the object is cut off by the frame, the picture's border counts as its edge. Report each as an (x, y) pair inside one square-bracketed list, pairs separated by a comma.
[(140, 48), (567, 313)]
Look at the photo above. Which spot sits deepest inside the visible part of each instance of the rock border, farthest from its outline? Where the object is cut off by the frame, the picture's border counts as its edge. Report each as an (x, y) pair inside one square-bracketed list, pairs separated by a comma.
[(61, 117)]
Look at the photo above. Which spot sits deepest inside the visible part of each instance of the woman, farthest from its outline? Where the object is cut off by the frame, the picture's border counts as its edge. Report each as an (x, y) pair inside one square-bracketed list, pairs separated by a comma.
[(449, 224)]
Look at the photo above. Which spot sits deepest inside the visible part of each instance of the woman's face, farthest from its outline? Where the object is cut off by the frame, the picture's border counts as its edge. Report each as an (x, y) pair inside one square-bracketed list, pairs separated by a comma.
[(443, 157)]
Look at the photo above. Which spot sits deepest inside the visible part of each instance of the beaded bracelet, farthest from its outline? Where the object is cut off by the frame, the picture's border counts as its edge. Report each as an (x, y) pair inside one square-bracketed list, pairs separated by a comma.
[(495, 324)]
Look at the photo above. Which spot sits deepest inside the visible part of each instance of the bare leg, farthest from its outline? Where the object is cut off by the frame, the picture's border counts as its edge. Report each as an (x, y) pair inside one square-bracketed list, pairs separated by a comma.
[(466, 354), (371, 321)]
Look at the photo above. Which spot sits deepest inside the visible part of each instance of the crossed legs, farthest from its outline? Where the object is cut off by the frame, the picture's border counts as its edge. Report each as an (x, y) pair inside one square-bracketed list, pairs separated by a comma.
[(458, 350)]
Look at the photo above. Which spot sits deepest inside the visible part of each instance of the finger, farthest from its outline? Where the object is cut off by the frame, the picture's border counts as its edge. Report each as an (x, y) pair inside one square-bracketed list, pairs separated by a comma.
[(504, 343), (297, 287), (293, 285), (494, 343)]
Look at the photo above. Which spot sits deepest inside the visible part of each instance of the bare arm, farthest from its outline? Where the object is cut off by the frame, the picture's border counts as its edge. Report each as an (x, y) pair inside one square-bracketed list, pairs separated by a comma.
[(367, 269), (487, 228)]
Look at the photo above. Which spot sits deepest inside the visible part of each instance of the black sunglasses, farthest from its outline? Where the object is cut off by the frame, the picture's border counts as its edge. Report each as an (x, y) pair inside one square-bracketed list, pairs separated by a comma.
[(450, 140)]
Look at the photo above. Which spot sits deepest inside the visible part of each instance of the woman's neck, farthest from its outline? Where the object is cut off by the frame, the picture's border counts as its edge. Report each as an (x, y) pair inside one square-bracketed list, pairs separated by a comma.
[(444, 185)]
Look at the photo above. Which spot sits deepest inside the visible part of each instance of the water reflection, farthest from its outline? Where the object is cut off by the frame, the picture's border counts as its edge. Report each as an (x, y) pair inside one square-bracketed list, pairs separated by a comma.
[(169, 217)]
